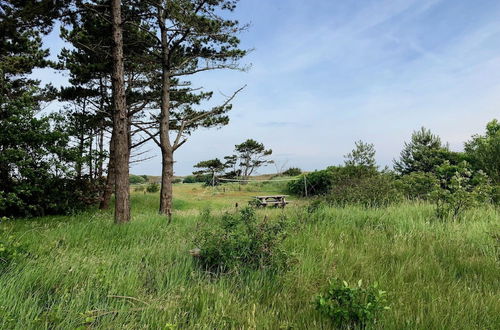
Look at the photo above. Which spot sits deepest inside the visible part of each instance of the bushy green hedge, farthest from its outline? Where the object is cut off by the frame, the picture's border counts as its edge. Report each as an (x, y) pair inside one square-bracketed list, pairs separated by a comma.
[(351, 307), (292, 171), (238, 241), (369, 190), (418, 185), (136, 179), (197, 179), (153, 187), (342, 185), (53, 196)]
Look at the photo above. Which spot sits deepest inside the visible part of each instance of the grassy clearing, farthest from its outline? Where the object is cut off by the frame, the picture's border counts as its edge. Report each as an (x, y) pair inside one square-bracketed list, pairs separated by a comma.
[(83, 271)]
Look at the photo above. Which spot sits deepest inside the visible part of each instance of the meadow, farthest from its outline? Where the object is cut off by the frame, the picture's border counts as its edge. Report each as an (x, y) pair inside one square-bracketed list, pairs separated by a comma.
[(83, 271)]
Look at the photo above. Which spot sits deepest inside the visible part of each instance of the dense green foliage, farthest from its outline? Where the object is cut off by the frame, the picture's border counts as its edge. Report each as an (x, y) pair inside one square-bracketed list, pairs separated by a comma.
[(292, 171), (362, 155), (197, 178), (424, 153), (484, 151), (351, 306), (418, 185), (343, 185), (153, 187), (137, 179), (37, 160), (460, 189), (237, 242), (356, 186)]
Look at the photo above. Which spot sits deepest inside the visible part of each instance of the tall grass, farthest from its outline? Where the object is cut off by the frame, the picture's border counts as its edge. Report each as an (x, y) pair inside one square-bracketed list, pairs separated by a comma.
[(83, 271)]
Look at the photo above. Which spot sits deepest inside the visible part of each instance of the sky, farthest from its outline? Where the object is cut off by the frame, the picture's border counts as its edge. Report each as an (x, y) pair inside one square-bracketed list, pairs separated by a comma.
[(327, 73)]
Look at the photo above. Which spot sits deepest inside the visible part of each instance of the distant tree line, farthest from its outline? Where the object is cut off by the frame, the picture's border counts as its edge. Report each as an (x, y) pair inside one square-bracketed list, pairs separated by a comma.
[(426, 170)]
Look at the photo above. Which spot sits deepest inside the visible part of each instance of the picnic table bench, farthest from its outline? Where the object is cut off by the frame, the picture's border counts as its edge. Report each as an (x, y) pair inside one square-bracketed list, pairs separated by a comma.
[(273, 200)]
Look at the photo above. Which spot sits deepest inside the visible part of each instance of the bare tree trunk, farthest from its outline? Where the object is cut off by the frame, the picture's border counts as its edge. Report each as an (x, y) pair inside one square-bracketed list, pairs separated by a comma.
[(120, 121), (167, 151), (79, 163), (91, 169), (110, 179), (166, 193), (101, 157), (99, 165)]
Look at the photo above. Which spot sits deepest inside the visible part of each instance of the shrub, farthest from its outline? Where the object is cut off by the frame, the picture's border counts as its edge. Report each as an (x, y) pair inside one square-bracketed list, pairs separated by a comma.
[(321, 182), (368, 189), (460, 189), (292, 171), (136, 179), (238, 241), (349, 307), (317, 183), (197, 178), (418, 185), (153, 187), (55, 196), (177, 180)]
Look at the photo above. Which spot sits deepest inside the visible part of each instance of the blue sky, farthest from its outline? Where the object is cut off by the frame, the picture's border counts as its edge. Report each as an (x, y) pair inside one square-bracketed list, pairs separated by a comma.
[(327, 73)]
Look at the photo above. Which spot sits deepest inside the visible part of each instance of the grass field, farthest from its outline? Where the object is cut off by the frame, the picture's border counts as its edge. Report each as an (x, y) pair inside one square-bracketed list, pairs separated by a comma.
[(83, 271)]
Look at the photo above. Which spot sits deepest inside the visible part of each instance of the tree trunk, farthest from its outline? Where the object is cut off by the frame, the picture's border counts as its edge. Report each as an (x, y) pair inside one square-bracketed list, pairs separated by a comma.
[(120, 121), (167, 174), (110, 179), (99, 165), (167, 151)]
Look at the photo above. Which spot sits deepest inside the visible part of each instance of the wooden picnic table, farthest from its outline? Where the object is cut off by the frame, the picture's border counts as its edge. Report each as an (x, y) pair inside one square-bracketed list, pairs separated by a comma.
[(273, 200)]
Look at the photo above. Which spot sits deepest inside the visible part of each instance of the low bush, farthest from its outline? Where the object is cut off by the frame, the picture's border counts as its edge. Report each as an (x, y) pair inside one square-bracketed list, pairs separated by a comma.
[(197, 179), (292, 171), (136, 179), (153, 187), (343, 185), (460, 189), (238, 241), (54, 196), (314, 183), (349, 307), (377, 190), (418, 185)]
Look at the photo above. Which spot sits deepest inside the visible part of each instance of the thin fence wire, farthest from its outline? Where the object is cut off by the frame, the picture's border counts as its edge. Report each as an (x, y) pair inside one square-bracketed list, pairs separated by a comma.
[(263, 180)]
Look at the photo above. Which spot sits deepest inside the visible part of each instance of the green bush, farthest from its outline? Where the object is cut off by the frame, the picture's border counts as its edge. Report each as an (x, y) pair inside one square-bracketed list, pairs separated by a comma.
[(363, 186), (153, 187), (136, 179), (54, 196), (292, 171), (176, 180), (349, 307), (239, 241), (197, 179), (317, 183), (460, 189), (418, 185)]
